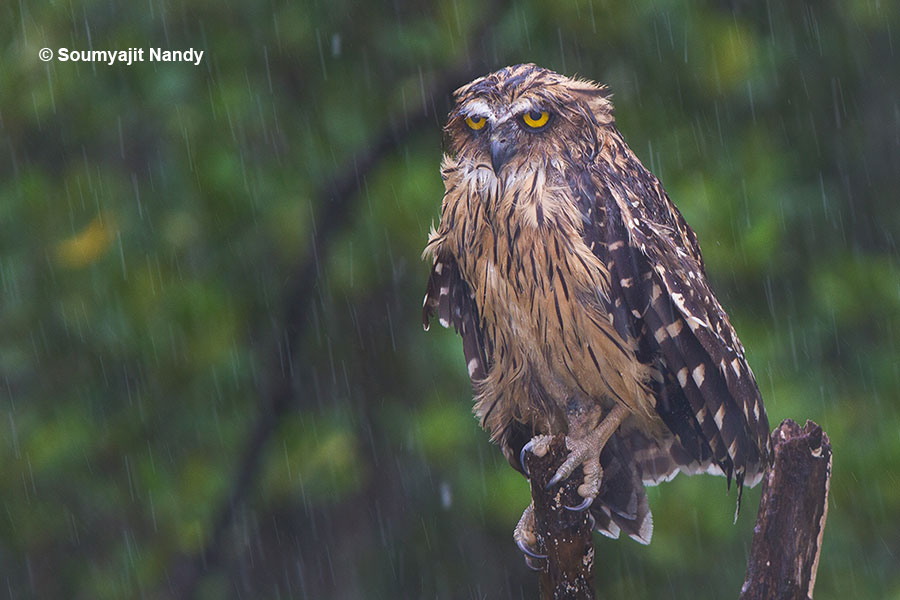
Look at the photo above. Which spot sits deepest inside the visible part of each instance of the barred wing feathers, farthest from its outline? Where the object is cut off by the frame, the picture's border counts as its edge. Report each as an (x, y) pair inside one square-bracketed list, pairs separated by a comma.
[(708, 396), (448, 295)]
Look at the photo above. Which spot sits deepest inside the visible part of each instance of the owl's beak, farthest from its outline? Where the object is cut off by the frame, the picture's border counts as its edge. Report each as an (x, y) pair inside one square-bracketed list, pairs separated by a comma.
[(501, 150)]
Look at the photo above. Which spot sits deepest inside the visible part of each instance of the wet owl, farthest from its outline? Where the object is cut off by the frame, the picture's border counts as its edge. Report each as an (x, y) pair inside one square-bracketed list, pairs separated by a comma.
[(581, 297)]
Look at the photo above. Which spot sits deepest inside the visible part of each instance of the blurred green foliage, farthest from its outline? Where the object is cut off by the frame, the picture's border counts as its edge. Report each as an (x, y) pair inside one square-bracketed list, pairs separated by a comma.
[(153, 214)]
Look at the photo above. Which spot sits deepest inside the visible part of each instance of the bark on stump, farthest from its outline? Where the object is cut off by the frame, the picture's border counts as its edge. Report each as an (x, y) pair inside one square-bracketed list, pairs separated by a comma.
[(563, 535), (787, 538)]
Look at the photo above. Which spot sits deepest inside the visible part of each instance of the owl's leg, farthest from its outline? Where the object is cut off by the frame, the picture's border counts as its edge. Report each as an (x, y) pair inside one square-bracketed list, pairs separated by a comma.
[(588, 433), (526, 539), (589, 430)]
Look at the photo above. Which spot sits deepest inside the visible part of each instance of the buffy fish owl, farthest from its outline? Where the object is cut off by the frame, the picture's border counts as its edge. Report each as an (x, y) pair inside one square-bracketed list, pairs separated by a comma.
[(582, 301)]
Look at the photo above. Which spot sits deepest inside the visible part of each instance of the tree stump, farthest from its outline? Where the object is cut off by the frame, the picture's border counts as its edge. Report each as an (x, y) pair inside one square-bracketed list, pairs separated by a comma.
[(787, 538)]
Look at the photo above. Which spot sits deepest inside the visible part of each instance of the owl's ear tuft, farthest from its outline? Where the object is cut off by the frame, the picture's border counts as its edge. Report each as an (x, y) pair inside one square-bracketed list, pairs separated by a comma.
[(460, 92), (597, 97)]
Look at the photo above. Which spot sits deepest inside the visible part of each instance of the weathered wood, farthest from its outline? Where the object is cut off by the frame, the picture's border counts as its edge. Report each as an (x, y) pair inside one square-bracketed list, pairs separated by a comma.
[(563, 535), (787, 538)]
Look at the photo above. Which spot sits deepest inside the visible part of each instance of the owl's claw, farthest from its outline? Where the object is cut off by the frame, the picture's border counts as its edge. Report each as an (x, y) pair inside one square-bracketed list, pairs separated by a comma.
[(526, 448), (583, 506), (538, 446), (583, 452), (528, 551), (526, 539), (532, 564), (560, 475)]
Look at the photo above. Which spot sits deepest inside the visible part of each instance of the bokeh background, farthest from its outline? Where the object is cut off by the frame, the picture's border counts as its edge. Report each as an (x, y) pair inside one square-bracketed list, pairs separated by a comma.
[(213, 376)]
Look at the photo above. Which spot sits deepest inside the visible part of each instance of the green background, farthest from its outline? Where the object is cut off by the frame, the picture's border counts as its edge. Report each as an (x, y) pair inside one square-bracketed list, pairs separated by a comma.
[(213, 376)]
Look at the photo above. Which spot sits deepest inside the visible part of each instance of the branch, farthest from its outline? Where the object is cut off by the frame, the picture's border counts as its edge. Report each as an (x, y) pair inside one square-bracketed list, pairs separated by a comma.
[(787, 538), (563, 535)]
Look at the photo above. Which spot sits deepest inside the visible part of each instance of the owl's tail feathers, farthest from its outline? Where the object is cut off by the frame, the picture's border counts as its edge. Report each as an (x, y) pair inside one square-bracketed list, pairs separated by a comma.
[(621, 505), (630, 461)]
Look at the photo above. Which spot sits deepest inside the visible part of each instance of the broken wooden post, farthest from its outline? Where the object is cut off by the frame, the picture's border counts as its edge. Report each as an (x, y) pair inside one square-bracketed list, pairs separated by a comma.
[(787, 538)]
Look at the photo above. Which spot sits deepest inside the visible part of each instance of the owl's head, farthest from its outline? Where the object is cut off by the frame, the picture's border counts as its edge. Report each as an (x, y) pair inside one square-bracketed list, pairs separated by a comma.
[(522, 114)]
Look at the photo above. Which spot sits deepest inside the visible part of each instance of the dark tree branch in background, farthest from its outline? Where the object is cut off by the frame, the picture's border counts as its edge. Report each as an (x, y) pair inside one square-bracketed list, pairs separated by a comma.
[(277, 390), (787, 538), (565, 536)]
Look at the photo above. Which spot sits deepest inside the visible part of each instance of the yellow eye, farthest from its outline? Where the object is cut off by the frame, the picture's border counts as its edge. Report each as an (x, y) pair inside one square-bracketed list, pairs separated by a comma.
[(476, 123), (536, 118)]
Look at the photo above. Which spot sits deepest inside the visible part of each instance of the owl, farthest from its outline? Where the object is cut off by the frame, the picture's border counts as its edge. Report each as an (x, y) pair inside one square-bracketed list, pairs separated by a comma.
[(581, 297)]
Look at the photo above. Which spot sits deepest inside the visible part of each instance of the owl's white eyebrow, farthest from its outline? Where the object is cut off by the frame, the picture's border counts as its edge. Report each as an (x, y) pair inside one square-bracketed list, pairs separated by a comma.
[(522, 105), (477, 107)]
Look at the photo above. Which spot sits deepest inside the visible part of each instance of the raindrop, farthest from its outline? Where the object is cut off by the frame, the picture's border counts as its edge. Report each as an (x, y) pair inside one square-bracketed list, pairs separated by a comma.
[(752, 105), (446, 495), (321, 54), (335, 45)]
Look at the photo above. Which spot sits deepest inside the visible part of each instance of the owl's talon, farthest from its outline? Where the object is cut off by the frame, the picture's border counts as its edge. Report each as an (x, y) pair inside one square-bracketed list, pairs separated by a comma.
[(530, 563), (526, 540), (528, 551), (526, 448), (583, 506), (538, 445), (584, 452)]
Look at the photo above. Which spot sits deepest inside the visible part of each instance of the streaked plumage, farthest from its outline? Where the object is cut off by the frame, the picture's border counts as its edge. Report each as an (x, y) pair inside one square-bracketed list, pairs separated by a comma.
[(576, 285)]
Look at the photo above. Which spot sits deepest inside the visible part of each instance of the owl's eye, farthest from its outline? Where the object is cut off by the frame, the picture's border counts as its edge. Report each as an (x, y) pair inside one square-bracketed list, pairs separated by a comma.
[(475, 123), (536, 119)]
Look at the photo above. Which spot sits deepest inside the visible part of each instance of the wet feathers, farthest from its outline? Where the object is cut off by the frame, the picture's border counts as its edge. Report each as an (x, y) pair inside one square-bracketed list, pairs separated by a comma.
[(569, 273)]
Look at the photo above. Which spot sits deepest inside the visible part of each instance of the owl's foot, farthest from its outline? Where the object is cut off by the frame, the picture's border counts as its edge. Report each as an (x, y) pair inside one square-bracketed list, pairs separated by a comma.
[(585, 442), (526, 539)]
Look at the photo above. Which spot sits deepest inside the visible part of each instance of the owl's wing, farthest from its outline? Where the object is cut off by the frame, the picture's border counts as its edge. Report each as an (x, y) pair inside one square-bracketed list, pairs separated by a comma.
[(708, 395), (451, 298), (448, 295)]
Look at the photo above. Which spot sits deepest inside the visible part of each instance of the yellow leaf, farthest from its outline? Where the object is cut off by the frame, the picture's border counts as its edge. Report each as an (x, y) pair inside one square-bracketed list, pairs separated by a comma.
[(86, 246)]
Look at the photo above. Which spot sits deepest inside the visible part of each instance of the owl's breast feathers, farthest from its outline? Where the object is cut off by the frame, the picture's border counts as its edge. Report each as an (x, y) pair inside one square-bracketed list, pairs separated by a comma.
[(578, 277)]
